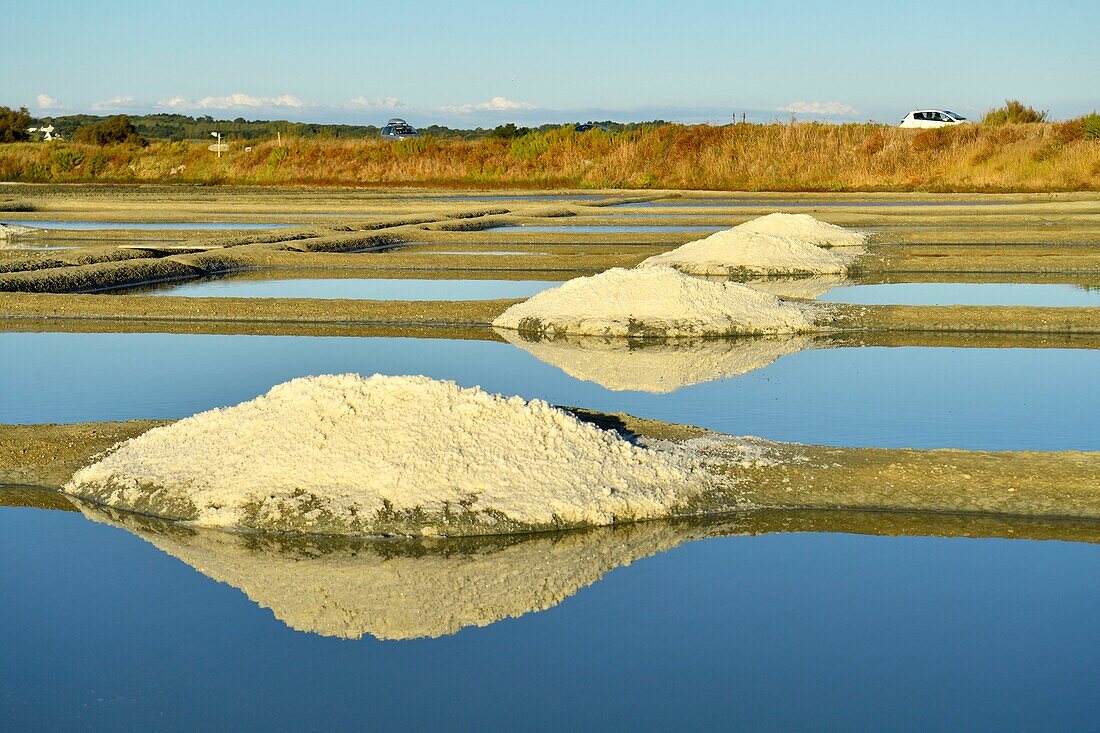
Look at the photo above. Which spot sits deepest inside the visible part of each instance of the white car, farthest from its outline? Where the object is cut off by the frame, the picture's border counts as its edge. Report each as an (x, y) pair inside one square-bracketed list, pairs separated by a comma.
[(924, 118)]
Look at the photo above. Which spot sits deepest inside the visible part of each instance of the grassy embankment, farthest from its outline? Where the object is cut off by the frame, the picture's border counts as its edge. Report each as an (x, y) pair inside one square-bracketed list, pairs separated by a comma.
[(804, 157)]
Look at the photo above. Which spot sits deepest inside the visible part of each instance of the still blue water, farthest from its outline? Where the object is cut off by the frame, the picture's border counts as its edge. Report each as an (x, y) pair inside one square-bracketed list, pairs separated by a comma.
[(70, 225), (613, 228), (998, 399), (1025, 294), (353, 288), (779, 205), (101, 631)]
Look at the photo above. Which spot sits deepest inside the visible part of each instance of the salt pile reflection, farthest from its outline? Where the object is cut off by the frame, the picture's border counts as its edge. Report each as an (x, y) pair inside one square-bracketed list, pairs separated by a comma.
[(658, 367)]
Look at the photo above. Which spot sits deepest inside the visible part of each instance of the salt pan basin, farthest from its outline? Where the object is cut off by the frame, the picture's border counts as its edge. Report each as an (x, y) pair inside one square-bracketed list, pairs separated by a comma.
[(390, 455), (655, 302)]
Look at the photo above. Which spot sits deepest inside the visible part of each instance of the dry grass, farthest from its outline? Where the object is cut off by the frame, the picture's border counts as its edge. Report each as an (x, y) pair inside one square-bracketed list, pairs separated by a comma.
[(802, 157)]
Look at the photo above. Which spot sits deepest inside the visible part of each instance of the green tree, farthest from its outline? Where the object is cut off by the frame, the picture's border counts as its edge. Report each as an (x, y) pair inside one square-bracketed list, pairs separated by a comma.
[(14, 124), (110, 131)]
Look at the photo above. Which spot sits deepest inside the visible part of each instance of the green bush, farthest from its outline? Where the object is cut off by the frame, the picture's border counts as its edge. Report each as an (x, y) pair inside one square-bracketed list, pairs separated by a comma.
[(35, 172), (14, 124), (1091, 125), (97, 164), (65, 159), (111, 131), (276, 156), (529, 147), (1014, 111)]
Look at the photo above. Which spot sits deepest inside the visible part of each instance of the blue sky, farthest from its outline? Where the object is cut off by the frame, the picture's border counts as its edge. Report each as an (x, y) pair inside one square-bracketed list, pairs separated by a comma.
[(489, 62)]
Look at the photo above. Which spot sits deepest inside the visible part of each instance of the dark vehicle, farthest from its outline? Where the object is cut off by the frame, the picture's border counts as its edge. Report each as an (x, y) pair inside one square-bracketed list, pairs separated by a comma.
[(398, 129), (590, 126)]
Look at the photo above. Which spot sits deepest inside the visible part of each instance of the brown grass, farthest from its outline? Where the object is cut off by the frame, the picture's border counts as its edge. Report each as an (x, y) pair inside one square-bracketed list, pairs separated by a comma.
[(776, 157)]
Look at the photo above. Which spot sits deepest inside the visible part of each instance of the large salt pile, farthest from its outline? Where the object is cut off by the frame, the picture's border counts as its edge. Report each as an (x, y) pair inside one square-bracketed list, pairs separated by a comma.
[(739, 253), (387, 455), (806, 228), (654, 302)]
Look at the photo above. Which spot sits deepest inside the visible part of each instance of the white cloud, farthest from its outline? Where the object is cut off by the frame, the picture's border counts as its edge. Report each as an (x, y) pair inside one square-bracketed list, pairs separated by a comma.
[(820, 108), (45, 101), (376, 103), (238, 100), (496, 104), (114, 103)]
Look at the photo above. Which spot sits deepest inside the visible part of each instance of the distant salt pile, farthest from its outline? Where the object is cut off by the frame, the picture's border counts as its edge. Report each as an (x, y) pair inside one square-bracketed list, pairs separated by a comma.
[(387, 455), (654, 302), (739, 253), (806, 228)]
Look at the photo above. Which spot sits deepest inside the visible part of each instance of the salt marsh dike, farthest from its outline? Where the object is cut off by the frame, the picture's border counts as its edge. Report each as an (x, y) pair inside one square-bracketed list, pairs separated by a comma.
[(405, 456)]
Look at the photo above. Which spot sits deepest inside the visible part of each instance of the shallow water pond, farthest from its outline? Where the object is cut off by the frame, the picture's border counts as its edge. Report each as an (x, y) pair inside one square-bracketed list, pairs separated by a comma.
[(76, 225), (1008, 294), (102, 630), (349, 288), (779, 205), (614, 228), (997, 399)]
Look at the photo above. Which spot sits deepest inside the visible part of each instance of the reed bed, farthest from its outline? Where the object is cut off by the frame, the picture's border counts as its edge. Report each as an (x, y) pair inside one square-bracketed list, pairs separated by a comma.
[(1037, 157)]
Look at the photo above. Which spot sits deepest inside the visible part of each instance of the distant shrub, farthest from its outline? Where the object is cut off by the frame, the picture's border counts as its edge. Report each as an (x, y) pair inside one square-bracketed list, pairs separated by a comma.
[(111, 131), (510, 131), (1071, 131), (1014, 111), (1082, 128), (14, 124)]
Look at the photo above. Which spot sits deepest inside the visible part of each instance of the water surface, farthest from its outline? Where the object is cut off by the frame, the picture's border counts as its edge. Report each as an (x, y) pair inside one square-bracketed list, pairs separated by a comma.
[(613, 228), (995, 399), (351, 288), (76, 225), (102, 631), (1007, 294)]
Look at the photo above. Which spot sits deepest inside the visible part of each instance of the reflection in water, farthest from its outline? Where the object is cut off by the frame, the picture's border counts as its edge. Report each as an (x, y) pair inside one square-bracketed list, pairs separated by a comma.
[(400, 589), (623, 365), (809, 288), (405, 589)]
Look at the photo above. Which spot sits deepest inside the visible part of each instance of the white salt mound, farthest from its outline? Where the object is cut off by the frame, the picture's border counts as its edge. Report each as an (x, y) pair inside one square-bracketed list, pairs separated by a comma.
[(739, 252), (8, 231), (806, 228), (398, 455), (654, 302)]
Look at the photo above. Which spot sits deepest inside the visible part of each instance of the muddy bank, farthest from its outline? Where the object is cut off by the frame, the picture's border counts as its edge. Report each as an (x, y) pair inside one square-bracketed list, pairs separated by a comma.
[(30, 307), (1027, 483)]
